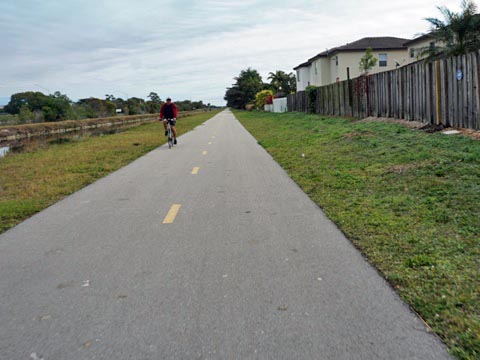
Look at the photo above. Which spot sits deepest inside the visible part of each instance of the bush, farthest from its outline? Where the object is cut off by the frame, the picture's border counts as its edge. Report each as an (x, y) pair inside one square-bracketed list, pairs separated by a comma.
[(261, 98), (49, 114), (25, 115), (311, 92)]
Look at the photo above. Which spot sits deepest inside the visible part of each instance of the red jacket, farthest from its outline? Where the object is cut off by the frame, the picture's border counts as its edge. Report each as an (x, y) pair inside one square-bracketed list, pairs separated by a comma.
[(174, 108)]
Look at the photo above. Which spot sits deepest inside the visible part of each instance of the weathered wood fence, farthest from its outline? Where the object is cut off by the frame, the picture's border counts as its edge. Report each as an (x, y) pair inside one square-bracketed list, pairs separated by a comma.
[(443, 92)]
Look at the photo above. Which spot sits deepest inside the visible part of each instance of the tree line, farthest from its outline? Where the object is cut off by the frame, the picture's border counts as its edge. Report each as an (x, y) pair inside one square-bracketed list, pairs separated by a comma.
[(249, 83), (33, 106)]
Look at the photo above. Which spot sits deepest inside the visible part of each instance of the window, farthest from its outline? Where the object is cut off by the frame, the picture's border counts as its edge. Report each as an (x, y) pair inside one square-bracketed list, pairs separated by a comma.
[(336, 60), (432, 45), (298, 76), (412, 53), (382, 60), (316, 72)]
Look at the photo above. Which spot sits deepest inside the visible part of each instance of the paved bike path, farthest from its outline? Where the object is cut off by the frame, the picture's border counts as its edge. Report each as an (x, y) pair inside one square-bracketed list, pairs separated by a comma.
[(249, 268)]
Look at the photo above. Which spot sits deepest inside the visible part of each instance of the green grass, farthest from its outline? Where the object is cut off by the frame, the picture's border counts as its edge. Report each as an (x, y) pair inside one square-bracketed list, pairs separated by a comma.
[(31, 181), (410, 201)]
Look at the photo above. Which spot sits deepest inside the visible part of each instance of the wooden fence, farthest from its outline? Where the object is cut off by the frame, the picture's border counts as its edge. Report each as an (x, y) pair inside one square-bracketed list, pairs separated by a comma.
[(443, 92)]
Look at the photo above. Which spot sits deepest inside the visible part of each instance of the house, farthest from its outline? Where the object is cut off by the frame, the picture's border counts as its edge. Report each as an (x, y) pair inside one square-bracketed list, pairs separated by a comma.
[(416, 47), (303, 74), (333, 65)]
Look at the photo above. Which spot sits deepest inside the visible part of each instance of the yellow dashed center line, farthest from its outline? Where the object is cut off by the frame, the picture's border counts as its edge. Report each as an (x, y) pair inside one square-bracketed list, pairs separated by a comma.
[(172, 213), (205, 153), (195, 170)]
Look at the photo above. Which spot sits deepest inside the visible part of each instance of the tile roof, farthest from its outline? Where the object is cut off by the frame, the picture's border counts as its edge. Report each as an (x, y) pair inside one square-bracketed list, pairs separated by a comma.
[(376, 43), (305, 64), (420, 38)]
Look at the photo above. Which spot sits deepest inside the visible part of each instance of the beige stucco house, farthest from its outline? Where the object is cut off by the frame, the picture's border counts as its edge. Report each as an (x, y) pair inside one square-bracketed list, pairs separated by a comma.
[(416, 47), (303, 75), (332, 65)]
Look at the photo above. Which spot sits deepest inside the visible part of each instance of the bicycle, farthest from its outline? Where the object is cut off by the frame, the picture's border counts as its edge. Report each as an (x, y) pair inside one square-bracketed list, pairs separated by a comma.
[(169, 132)]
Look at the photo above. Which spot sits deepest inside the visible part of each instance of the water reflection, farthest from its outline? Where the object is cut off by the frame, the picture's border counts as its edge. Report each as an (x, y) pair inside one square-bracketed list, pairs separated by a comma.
[(4, 150)]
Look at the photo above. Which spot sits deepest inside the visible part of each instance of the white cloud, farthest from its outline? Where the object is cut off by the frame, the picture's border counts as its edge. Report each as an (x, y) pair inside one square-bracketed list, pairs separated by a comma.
[(184, 49)]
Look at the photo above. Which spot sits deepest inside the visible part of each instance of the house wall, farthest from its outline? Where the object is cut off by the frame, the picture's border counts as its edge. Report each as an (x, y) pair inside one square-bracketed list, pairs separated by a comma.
[(303, 77), (352, 60), (321, 76), (418, 47)]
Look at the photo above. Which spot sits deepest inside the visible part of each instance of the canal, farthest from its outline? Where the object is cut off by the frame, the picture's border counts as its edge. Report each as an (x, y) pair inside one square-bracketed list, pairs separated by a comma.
[(40, 142)]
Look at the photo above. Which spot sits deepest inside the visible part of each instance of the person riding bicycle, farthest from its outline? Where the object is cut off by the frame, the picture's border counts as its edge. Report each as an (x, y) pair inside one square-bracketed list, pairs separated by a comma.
[(169, 113)]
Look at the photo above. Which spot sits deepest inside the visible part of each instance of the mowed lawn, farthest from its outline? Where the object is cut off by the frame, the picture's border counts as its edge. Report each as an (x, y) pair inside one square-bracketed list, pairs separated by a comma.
[(31, 181), (410, 201)]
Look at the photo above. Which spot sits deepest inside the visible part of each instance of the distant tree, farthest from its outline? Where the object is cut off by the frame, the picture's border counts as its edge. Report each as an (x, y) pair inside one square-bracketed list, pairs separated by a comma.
[(121, 104), (282, 83), (33, 100), (291, 84), (49, 114), (154, 104), (153, 96), (25, 114), (60, 107), (249, 82), (457, 33), (368, 61), (93, 107), (57, 106), (197, 105), (188, 105), (247, 85), (136, 106), (235, 98)]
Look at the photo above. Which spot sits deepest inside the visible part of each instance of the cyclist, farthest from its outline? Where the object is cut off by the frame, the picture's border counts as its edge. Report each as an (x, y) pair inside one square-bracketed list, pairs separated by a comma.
[(169, 113)]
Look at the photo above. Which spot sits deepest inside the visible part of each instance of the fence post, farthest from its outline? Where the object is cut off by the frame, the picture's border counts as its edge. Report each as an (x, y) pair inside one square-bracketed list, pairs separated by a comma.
[(476, 75), (350, 96), (437, 92)]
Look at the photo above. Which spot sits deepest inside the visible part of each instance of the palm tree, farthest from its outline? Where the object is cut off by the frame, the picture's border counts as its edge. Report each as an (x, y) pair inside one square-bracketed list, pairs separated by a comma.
[(458, 33), (276, 80), (281, 82)]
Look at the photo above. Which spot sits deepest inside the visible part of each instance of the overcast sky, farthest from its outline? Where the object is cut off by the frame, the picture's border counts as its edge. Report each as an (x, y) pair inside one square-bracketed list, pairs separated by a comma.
[(184, 49)]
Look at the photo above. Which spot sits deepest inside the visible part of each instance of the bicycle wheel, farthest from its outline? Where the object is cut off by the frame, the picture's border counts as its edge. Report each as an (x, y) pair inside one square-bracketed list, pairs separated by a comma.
[(170, 138)]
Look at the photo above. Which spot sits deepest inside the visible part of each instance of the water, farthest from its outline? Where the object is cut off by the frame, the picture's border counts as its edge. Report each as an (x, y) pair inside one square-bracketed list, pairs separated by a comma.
[(33, 144), (4, 150)]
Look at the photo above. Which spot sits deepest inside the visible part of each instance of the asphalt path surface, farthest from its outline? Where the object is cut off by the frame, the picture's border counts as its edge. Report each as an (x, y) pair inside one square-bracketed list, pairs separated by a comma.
[(205, 251)]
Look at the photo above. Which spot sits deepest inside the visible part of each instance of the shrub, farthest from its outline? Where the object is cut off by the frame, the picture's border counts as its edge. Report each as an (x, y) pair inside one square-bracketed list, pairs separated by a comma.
[(261, 98), (311, 92), (25, 114)]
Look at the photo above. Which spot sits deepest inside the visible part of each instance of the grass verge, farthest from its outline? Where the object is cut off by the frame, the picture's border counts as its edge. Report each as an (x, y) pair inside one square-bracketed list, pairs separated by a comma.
[(410, 201), (32, 181)]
